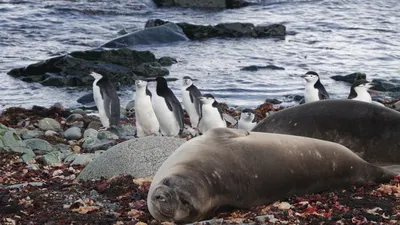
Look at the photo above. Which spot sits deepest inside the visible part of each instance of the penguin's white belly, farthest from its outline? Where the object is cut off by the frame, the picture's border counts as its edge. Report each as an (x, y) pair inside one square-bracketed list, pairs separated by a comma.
[(146, 120), (169, 126), (100, 106), (311, 94), (190, 108), (363, 96), (246, 125), (210, 119)]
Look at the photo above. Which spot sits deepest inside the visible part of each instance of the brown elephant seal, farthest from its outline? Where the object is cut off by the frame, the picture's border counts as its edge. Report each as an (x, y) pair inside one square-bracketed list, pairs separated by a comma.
[(371, 131), (231, 167)]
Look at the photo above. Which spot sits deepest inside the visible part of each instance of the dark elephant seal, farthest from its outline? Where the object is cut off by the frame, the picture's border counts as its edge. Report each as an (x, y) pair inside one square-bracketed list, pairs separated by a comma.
[(231, 167), (371, 131)]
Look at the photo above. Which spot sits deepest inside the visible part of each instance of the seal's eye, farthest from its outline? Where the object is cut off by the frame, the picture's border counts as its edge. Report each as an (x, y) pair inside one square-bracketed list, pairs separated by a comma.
[(184, 201), (166, 182)]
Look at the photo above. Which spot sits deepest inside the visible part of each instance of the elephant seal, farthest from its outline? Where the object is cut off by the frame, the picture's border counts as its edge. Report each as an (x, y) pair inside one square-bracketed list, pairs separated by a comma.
[(371, 131), (240, 169)]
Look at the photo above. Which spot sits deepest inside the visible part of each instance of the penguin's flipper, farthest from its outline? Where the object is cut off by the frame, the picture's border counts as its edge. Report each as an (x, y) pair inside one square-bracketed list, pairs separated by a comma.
[(175, 106)]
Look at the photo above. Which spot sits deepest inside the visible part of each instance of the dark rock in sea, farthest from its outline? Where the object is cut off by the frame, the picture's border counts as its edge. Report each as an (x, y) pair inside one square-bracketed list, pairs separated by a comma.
[(392, 85), (255, 68), (273, 101), (350, 78), (166, 33), (213, 4), (73, 69), (86, 99), (225, 30), (167, 61)]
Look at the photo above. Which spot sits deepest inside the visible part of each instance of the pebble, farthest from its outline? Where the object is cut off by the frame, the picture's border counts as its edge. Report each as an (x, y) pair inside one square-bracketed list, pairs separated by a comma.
[(73, 133), (49, 124), (38, 145), (17, 186), (51, 158), (83, 159), (28, 157), (61, 148), (107, 135), (90, 133), (50, 133), (73, 117), (94, 125), (93, 143)]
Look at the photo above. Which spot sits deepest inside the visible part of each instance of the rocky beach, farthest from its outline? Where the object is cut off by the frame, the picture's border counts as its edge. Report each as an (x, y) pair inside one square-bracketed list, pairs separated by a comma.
[(57, 168)]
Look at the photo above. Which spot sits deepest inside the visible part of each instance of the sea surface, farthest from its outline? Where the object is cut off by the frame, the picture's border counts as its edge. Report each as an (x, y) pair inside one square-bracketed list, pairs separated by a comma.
[(331, 37)]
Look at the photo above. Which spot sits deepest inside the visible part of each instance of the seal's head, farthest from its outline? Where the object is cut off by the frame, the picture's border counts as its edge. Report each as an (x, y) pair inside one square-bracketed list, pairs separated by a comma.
[(175, 198)]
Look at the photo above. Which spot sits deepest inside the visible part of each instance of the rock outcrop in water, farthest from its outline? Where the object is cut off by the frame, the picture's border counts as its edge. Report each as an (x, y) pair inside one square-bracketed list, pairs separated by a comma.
[(166, 33), (214, 4), (120, 65), (225, 30)]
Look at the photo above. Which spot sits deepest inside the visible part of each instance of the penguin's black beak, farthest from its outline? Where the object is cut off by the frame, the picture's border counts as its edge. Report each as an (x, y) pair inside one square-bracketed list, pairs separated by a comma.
[(303, 76)]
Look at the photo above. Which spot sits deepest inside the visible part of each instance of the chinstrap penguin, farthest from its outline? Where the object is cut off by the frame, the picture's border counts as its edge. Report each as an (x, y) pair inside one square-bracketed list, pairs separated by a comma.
[(314, 89), (246, 120), (146, 120), (168, 109), (211, 115), (107, 100), (359, 91), (190, 95)]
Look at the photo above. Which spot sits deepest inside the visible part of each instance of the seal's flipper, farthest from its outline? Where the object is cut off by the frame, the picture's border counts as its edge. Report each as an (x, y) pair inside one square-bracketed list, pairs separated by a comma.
[(227, 133)]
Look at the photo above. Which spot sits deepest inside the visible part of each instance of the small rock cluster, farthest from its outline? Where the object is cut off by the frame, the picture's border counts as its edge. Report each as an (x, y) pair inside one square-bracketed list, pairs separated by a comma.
[(53, 140)]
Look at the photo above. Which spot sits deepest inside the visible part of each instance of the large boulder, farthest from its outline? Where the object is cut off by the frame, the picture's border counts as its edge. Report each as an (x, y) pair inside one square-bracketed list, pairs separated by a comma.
[(225, 30), (168, 32), (139, 157), (216, 4), (73, 69)]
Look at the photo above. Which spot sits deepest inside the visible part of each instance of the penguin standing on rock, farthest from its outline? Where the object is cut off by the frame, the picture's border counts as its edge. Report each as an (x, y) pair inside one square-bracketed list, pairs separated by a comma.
[(314, 89), (168, 109), (359, 91), (190, 95), (146, 120), (107, 101), (211, 115), (246, 120)]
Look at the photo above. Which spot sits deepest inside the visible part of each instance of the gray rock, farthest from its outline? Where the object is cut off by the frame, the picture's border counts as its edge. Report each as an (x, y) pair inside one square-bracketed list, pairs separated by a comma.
[(49, 124), (90, 133), (50, 133), (73, 69), (70, 158), (11, 141), (162, 34), (61, 148), (73, 133), (167, 61), (27, 157), (38, 145), (84, 159), (139, 157), (104, 135), (71, 118), (94, 125), (51, 158), (32, 134), (93, 143), (126, 130), (226, 30), (350, 78)]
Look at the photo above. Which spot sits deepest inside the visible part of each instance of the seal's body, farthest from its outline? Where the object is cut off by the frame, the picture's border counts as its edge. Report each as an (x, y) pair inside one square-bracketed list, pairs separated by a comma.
[(232, 167), (371, 131)]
